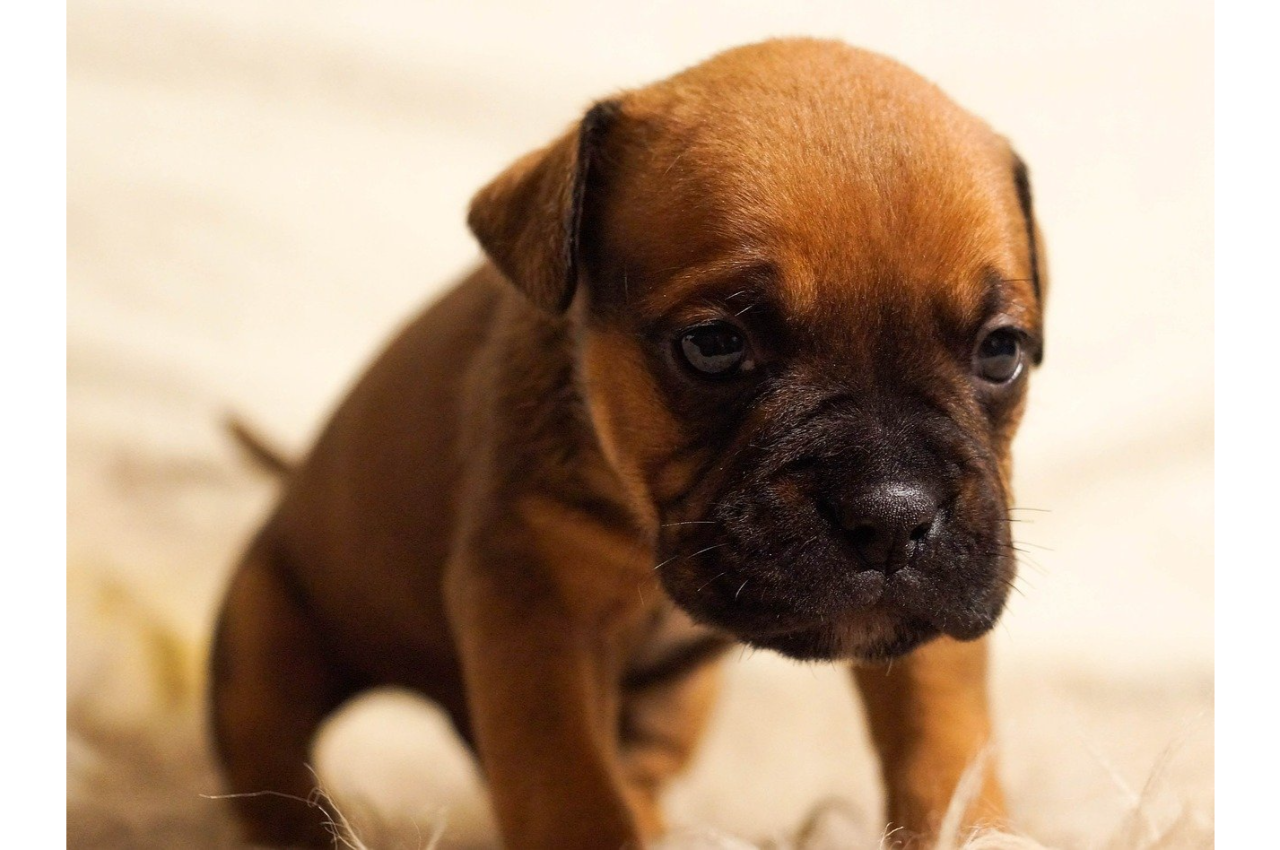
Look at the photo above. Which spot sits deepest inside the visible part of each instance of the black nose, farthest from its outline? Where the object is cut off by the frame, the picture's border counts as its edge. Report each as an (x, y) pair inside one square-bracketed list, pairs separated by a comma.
[(886, 522)]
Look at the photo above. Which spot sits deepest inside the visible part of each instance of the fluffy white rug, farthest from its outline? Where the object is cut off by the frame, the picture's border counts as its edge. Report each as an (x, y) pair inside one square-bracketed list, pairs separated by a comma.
[(258, 192), (1089, 762)]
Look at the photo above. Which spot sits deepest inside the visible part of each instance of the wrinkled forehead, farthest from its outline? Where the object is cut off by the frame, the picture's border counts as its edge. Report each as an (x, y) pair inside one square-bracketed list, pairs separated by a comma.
[(828, 203)]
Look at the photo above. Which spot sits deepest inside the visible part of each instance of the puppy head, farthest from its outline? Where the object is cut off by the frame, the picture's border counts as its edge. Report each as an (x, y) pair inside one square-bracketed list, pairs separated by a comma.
[(809, 293)]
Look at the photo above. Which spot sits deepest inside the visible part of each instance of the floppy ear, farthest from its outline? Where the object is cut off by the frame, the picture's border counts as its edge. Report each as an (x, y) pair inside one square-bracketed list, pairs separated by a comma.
[(1035, 242), (529, 217)]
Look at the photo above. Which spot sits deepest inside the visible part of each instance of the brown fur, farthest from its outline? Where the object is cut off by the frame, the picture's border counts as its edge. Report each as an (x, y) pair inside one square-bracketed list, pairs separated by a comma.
[(503, 513)]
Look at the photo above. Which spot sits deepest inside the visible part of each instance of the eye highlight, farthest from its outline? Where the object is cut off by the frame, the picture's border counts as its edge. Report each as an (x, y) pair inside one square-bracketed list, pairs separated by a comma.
[(999, 357), (716, 349)]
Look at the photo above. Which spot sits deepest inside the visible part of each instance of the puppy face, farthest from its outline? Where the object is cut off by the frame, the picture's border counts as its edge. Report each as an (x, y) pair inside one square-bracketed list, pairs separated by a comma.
[(811, 304)]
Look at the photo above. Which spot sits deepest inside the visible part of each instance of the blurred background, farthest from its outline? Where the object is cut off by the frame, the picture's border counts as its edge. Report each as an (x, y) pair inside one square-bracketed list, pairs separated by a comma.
[(259, 193)]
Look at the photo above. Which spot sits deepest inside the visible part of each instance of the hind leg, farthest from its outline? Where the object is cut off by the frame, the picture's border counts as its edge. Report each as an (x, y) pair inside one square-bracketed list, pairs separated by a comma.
[(272, 686)]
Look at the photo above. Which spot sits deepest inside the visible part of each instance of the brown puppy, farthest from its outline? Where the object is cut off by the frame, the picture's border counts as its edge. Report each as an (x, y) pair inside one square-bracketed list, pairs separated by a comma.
[(745, 365)]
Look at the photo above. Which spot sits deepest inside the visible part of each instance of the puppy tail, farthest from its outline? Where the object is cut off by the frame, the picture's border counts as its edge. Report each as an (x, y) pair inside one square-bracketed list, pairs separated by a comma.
[(265, 456)]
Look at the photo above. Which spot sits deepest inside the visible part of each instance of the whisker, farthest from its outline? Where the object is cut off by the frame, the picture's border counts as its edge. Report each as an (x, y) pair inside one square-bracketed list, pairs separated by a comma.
[(1022, 577), (744, 584), (1024, 555), (805, 545), (1035, 545), (1035, 568), (687, 557), (1013, 585), (713, 578), (667, 561)]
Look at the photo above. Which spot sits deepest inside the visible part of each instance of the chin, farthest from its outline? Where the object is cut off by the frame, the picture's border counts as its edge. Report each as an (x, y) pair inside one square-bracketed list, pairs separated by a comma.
[(841, 613), (869, 637)]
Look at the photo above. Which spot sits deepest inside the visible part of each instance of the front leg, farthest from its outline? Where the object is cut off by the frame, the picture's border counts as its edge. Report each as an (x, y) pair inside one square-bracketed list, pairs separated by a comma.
[(929, 720), (541, 686)]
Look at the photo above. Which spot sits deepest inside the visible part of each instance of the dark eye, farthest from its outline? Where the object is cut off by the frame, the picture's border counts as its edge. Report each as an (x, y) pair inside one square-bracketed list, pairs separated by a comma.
[(717, 349), (999, 356)]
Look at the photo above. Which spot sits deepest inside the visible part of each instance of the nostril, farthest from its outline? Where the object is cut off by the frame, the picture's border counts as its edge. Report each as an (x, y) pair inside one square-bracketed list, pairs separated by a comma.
[(863, 535), (886, 524)]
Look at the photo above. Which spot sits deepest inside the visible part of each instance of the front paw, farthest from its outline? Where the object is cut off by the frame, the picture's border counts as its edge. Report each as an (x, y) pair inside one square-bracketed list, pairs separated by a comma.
[(943, 800)]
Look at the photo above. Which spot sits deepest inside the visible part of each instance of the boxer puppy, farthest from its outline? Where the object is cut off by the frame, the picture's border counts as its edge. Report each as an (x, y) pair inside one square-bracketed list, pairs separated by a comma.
[(744, 364)]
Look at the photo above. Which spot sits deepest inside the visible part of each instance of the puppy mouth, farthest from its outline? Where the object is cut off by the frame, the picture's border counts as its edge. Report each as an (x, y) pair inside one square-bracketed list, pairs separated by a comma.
[(859, 614), (872, 631)]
